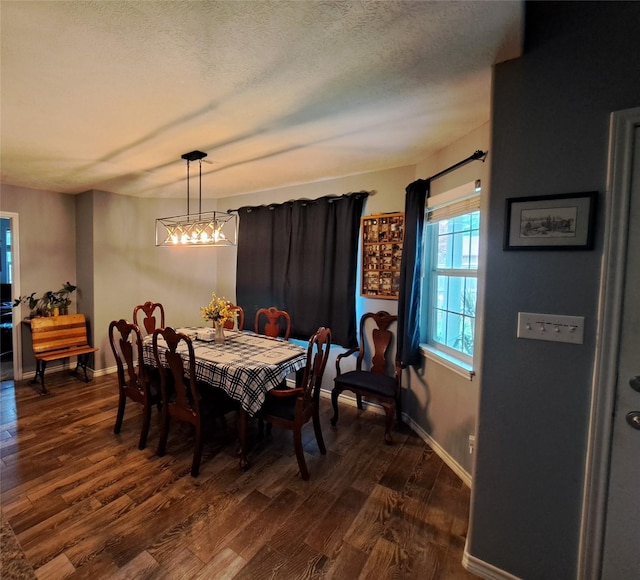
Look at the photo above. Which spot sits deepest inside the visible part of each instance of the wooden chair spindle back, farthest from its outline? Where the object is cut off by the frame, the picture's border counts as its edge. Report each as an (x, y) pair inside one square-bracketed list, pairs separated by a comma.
[(276, 319), (149, 321)]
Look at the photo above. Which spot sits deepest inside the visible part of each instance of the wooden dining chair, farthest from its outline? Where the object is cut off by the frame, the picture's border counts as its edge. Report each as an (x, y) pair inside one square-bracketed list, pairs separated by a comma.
[(184, 397), (149, 322), (133, 382), (273, 322), (374, 382), (153, 314), (239, 318), (292, 408)]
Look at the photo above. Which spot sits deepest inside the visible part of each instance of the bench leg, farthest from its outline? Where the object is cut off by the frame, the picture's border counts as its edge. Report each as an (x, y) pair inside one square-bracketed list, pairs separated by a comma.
[(83, 360), (40, 366)]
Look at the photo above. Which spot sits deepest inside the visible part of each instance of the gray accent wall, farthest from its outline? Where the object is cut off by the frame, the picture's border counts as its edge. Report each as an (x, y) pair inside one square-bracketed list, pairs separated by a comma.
[(126, 268), (47, 247), (550, 129)]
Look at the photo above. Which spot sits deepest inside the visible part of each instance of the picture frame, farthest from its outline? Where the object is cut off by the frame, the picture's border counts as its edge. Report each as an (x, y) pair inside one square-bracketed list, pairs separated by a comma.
[(550, 222)]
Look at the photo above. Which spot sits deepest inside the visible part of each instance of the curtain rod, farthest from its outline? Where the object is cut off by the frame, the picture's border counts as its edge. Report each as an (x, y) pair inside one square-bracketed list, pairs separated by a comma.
[(477, 155), (304, 201)]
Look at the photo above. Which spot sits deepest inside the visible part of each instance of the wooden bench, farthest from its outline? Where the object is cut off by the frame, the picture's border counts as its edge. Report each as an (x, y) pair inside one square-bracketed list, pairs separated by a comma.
[(59, 337)]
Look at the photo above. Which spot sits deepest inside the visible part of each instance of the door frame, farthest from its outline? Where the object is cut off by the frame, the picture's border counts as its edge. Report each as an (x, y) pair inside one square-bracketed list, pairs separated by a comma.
[(603, 387), (15, 287)]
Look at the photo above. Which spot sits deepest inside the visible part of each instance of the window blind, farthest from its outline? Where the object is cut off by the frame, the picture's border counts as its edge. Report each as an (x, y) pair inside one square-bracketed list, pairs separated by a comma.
[(453, 209), (457, 201)]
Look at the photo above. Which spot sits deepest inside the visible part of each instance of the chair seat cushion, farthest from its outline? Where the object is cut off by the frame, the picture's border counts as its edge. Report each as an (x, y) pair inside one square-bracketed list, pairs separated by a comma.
[(368, 382)]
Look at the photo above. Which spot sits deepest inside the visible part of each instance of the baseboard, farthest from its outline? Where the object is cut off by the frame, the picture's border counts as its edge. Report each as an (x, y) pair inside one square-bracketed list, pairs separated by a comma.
[(483, 569), (441, 452), (107, 371), (350, 400), (30, 375)]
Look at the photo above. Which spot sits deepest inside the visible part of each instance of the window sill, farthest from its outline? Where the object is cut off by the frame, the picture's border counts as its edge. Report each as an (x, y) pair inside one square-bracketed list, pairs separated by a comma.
[(458, 367)]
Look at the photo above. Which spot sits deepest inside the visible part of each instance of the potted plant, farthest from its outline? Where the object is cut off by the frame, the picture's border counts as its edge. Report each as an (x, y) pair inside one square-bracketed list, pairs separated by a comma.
[(51, 303), (61, 300)]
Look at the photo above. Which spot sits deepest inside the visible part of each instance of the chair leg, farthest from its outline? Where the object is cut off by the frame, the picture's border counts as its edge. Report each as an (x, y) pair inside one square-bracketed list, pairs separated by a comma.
[(389, 412), (120, 415), (398, 411), (335, 393), (318, 431), (146, 421), (359, 402), (297, 443)]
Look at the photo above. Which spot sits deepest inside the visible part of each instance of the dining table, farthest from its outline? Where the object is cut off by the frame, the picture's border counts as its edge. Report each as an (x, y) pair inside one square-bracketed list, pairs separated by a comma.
[(246, 366)]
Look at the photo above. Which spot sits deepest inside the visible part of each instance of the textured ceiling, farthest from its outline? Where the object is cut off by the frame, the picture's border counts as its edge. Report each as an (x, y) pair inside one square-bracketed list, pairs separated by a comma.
[(109, 95)]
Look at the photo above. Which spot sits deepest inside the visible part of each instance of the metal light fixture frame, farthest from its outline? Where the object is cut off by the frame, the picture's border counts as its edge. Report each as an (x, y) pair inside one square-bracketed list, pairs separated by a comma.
[(199, 229)]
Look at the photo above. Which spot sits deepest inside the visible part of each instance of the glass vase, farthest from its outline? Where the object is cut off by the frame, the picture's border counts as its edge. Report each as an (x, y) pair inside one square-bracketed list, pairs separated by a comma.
[(219, 338)]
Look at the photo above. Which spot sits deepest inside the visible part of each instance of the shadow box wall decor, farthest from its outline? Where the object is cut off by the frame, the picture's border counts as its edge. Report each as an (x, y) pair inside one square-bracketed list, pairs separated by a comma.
[(382, 239), (550, 222)]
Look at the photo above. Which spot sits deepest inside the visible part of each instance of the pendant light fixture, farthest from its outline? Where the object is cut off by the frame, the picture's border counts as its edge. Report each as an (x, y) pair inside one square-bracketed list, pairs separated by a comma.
[(197, 229)]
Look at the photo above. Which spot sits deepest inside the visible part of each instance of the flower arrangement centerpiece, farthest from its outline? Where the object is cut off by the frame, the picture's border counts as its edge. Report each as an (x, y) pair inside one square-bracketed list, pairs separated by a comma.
[(218, 311)]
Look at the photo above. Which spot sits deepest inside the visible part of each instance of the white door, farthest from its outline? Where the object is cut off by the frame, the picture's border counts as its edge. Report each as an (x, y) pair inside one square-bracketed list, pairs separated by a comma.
[(621, 556), (610, 530)]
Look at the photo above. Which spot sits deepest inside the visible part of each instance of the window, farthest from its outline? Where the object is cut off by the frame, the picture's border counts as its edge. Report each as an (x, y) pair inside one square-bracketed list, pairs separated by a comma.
[(450, 279), (9, 262)]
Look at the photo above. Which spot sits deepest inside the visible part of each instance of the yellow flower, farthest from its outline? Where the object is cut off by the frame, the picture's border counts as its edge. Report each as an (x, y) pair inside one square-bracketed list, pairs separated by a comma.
[(218, 310)]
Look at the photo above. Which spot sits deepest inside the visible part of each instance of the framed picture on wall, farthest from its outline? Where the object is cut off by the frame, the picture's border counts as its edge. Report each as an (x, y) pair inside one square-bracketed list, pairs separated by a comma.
[(550, 222)]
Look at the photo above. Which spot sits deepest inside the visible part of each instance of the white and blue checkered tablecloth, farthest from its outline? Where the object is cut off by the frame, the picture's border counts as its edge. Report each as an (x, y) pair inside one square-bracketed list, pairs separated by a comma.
[(246, 366)]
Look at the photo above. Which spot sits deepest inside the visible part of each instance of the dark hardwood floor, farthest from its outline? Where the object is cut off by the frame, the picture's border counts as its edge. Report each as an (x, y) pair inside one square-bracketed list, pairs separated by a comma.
[(85, 503)]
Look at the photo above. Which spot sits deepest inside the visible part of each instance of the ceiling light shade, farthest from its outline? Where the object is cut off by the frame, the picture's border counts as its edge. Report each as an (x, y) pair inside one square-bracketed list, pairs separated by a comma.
[(203, 229), (197, 229)]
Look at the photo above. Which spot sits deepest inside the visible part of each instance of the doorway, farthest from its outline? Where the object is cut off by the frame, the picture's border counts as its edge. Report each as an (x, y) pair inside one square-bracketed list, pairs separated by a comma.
[(10, 351), (611, 506)]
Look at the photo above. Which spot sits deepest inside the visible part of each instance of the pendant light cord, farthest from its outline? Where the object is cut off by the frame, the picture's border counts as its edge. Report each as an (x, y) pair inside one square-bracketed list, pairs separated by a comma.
[(188, 196), (200, 192)]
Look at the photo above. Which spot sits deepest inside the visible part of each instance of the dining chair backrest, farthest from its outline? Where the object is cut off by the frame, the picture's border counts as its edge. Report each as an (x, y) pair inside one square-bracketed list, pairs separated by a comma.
[(239, 318), (149, 322), (133, 383), (317, 356), (376, 339), (126, 344), (273, 322)]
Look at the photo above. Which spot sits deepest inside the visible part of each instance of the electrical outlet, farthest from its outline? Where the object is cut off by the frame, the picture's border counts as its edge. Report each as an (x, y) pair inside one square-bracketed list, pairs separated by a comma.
[(472, 444)]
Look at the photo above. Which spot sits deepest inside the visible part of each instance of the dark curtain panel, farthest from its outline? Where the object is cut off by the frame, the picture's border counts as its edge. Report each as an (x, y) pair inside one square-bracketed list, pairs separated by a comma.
[(302, 257), (410, 270), (264, 240)]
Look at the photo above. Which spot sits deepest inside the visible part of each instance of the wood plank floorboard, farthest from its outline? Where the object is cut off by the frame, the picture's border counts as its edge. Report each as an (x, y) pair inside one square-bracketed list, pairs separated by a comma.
[(84, 502)]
